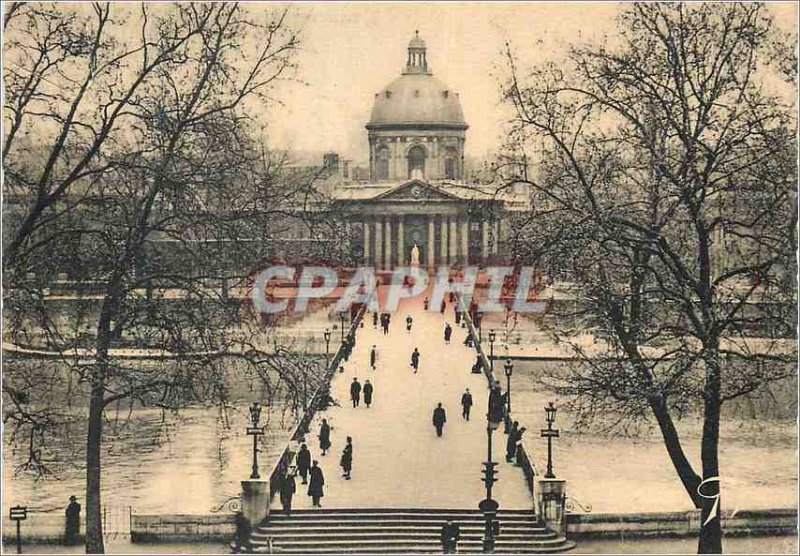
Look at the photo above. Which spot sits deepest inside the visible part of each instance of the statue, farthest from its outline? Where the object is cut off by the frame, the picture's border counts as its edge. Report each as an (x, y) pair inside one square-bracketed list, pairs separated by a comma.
[(415, 255)]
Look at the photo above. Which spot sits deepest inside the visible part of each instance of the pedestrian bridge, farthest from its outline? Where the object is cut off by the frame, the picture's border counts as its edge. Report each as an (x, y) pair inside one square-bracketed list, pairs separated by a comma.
[(401, 469)]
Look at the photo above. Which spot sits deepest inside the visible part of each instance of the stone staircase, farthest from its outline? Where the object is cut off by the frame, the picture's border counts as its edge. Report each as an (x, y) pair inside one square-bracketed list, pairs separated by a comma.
[(399, 531)]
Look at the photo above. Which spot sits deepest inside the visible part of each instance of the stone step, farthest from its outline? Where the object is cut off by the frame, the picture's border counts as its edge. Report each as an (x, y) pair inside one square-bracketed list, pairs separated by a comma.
[(410, 545), (333, 521), (392, 534), (279, 516), (436, 511), (394, 527)]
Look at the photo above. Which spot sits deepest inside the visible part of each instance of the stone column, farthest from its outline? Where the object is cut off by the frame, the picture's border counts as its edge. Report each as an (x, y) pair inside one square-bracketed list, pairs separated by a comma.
[(552, 499), (401, 255), (255, 500), (443, 238), (366, 242), (387, 258), (484, 240), (465, 240), (453, 233), (496, 237), (431, 242), (378, 243)]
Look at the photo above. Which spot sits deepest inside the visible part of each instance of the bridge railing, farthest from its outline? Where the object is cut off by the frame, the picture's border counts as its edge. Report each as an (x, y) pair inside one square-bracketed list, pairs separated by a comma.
[(281, 467), (524, 458)]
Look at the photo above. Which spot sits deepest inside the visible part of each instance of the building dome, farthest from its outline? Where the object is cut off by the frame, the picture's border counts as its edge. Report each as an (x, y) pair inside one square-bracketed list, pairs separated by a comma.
[(416, 98), (416, 42)]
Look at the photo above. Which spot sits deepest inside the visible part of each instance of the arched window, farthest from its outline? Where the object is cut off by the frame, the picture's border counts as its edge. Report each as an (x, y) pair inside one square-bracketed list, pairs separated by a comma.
[(450, 164), (382, 164), (416, 162)]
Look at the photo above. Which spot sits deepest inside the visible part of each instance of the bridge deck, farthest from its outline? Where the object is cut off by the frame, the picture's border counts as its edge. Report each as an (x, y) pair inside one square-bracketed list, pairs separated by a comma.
[(398, 459)]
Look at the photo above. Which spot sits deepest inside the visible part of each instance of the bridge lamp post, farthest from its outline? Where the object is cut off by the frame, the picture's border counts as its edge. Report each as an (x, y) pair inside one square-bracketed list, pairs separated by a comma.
[(255, 431), (341, 319), (550, 433), (492, 338), (508, 369), (327, 335), (488, 505)]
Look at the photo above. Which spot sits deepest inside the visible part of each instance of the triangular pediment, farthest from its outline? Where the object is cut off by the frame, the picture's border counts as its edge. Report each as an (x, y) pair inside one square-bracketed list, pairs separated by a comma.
[(416, 190)]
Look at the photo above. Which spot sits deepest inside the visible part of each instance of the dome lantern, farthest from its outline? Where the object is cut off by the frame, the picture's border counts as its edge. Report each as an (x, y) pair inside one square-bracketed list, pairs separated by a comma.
[(417, 56)]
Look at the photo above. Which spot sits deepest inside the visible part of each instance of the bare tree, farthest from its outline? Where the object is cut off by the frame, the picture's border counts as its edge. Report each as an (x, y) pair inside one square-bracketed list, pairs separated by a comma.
[(150, 174), (666, 189)]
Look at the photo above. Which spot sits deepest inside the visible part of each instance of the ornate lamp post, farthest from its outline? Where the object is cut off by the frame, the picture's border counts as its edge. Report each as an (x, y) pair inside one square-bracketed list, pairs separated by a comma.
[(492, 338), (327, 335), (508, 369), (489, 507), (550, 433), (255, 431)]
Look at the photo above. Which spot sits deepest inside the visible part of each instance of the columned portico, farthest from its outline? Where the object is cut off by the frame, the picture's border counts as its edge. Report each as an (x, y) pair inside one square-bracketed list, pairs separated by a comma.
[(400, 242), (453, 233), (443, 239), (378, 243), (366, 241), (387, 260), (431, 241), (465, 240)]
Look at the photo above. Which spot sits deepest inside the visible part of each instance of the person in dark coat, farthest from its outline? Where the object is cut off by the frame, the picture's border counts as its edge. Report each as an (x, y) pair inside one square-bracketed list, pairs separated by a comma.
[(466, 404), (439, 419), (451, 532), (443, 306), (303, 459), (495, 408), (448, 331), (468, 340), (375, 319), (415, 360), (477, 368), (373, 356), (316, 484), (242, 537), (355, 392), (347, 458), (409, 322), (324, 438), (367, 393), (72, 529), (452, 297), (426, 303), (458, 317), (514, 438), (288, 488)]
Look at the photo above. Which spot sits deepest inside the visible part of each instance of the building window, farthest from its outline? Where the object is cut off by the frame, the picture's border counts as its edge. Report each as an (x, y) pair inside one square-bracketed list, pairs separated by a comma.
[(382, 165), (450, 164), (416, 162)]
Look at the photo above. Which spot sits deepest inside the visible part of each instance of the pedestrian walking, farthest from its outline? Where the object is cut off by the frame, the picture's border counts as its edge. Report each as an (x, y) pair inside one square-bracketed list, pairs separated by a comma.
[(443, 306), (415, 359), (315, 490), (496, 410), (458, 318), (72, 527), (373, 356), (288, 488), (409, 321), (452, 297), (468, 340), (347, 458), (439, 419), (355, 392), (426, 303), (367, 393), (514, 438), (375, 319), (466, 404), (448, 331), (324, 438), (451, 532), (303, 459), (477, 368)]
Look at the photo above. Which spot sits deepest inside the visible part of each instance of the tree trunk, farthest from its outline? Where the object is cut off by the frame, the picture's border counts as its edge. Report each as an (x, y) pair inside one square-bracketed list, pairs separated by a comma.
[(687, 475), (94, 523), (710, 540)]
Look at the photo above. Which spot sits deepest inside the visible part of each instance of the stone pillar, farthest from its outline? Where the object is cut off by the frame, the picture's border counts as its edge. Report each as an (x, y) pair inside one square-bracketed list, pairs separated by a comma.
[(431, 242), (387, 258), (401, 251), (496, 237), (255, 500), (443, 239), (378, 243), (484, 240), (366, 242), (453, 233), (552, 499), (465, 240)]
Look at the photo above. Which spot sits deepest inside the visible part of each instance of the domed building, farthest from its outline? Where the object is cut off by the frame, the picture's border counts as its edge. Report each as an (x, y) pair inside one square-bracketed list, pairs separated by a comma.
[(417, 128), (417, 195)]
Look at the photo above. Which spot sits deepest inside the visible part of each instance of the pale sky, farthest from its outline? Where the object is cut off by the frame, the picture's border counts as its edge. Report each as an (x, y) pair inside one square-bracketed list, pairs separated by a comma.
[(352, 50)]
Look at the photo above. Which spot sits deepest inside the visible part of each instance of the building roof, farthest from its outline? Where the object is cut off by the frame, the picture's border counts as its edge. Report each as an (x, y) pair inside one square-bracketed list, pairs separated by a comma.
[(416, 99), (442, 189)]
